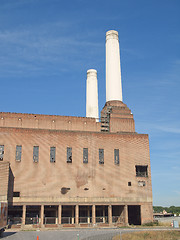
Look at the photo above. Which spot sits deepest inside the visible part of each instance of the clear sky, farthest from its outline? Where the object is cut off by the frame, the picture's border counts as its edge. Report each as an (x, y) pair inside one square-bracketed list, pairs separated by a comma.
[(47, 46)]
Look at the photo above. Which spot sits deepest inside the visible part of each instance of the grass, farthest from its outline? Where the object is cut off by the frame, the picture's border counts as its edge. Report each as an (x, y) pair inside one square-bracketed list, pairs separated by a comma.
[(150, 235)]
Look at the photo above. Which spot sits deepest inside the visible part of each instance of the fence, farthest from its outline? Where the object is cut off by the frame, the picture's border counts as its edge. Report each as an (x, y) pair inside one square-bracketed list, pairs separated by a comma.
[(85, 219), (32, 220), (101, 219), (50, 220), (67, 220), (14, 220)]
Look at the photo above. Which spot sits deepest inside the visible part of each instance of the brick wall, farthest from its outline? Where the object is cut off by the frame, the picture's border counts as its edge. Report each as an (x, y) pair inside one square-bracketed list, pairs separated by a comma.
[(4, 179), (44, 179), (39, 121)]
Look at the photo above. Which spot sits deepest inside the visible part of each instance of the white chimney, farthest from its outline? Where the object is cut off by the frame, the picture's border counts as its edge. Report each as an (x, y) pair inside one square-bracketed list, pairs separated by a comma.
[(113, 69), (92, 95)]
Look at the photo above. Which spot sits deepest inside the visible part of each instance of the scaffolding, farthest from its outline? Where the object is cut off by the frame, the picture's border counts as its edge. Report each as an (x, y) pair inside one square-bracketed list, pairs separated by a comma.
[(105, 119)]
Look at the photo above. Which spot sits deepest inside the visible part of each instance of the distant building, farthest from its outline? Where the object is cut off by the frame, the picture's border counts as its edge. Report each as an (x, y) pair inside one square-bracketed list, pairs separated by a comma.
[(65, 170)]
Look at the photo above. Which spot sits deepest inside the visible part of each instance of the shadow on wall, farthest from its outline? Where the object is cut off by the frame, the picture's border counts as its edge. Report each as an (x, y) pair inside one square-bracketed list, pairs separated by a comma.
[(10, 186)]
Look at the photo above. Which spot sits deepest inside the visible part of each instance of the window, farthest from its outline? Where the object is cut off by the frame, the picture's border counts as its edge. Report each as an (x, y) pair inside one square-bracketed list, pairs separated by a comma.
[(1, 152), (16, 194), (85, 155), (69, 155), (116, 156), (141, 171), (129, 184), (18, 152), (101, 156), (141, 183), (52, 154), (36, 154)]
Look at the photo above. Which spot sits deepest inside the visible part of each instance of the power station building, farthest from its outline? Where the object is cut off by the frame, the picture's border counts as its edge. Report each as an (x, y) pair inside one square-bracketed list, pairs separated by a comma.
[(77, 171)]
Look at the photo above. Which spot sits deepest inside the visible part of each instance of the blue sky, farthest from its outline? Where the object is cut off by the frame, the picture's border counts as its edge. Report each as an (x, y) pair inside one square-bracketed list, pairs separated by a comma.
[(47, 46)]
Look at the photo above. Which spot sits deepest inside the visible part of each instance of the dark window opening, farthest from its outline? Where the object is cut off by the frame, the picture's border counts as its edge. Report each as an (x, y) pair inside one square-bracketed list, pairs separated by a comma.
[(141, 171), (85, 155), (18, 152), (116, 156), (1, 152), (52, 154), (101, 156), (36, 154), (69, 155), (134, 215), (16, 194), (129, 184), (68, 214)]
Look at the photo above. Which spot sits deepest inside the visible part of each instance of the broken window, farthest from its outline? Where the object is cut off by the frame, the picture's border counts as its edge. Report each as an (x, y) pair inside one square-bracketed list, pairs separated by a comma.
[(85, 155), (18, 152), (141, 171), (69, 155), (141, 183), (116, 156), (101, 156), (36, 154), (52, 154), (1, 152)]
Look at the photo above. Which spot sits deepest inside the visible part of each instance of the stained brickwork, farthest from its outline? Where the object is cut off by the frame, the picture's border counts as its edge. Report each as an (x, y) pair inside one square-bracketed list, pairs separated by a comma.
[(77, 183)]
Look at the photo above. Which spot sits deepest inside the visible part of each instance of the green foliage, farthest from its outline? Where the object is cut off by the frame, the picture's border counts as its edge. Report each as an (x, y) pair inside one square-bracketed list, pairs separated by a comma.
[(171, 209)]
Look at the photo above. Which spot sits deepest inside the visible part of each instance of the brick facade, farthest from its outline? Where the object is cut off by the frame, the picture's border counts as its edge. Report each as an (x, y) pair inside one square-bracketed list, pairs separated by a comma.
[(77, 184)]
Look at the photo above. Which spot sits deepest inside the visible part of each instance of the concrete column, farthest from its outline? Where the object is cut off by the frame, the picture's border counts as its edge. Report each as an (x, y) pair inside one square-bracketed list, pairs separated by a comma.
[(77, 214), (24, 215), (88, 214), (93, 214), (59, 214), (104, 218), (72, 215), (92, 109), (56, 215), (113, 69), (110, 214), (42, 215), (126, 215)]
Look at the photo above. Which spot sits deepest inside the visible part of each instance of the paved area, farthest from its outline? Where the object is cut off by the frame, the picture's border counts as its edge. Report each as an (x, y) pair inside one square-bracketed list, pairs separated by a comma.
[(55, 234), (69, 234)]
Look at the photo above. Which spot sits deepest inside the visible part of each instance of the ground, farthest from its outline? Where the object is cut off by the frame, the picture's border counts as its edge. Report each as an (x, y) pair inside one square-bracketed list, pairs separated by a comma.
[(69, 234)]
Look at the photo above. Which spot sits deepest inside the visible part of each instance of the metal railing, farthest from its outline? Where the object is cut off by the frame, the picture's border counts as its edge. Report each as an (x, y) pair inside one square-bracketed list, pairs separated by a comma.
[(32, 220), (102, 219), (85, 219), (14, 220), (50, 220), (67, 220)]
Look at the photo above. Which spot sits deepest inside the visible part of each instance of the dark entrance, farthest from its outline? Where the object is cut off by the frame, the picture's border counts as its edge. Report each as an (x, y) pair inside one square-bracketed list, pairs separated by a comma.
[(134, 215)]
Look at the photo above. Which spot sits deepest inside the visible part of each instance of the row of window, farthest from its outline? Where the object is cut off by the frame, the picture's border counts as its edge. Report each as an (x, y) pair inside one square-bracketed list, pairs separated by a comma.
[(53, 154), (141, 170)]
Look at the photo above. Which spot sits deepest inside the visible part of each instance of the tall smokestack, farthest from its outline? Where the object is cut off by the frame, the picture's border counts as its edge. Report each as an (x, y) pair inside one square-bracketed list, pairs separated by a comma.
[(113, 69), (92, 95)]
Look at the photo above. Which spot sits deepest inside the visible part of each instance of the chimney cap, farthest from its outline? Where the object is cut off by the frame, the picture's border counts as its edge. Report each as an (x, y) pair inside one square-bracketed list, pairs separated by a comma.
[(112, 34), (92, 71)]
